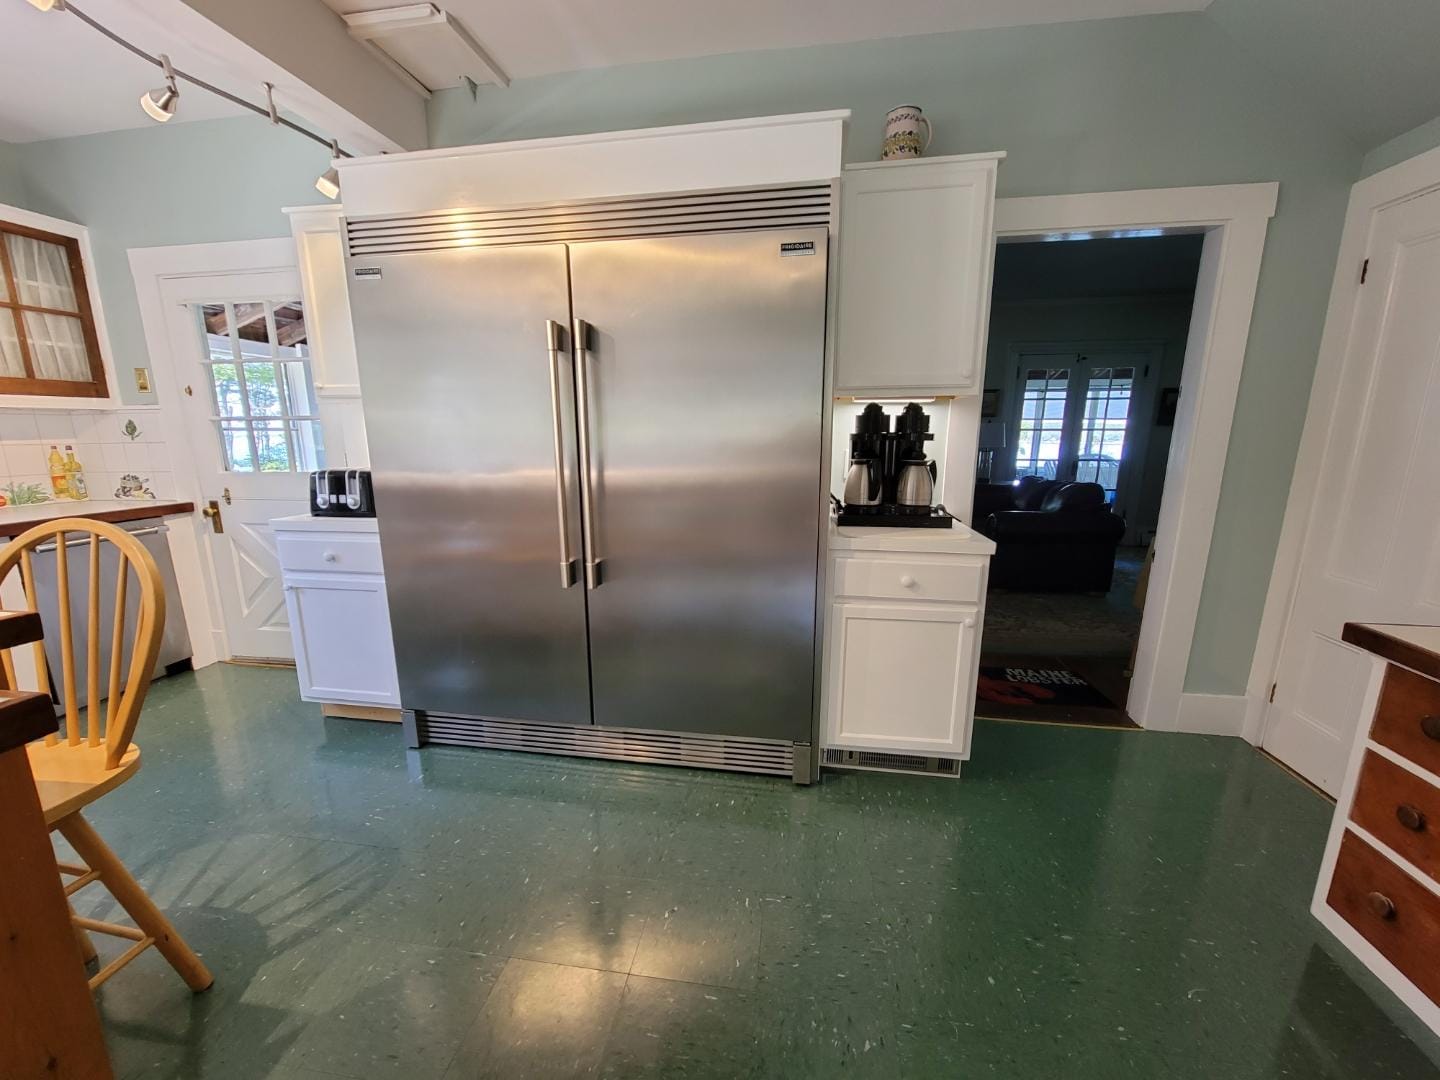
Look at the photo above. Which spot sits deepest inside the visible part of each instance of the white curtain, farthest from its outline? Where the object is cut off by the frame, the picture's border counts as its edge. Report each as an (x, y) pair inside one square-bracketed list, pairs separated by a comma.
[(42, 271), (11, 366), (57, 347)]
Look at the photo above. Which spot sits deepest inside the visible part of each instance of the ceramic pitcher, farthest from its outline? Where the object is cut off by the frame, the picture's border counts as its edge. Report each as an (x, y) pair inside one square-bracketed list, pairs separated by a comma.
[(902, 133)]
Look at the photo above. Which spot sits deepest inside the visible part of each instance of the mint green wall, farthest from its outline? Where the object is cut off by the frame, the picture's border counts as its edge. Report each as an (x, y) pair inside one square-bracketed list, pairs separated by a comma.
[(186, 183), (12, 186), (1402, 148), (1093, 106)]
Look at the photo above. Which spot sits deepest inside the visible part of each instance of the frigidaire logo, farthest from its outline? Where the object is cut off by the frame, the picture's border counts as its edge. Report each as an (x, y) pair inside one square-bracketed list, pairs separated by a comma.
[(798, 247), (367, 271)]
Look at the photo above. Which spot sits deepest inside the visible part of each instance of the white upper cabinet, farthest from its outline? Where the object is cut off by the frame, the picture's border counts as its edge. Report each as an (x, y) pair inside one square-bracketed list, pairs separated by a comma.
[(917, 245)]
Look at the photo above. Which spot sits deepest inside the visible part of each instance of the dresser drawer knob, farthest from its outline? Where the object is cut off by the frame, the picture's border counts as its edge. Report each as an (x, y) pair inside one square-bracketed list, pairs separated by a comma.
[(1430, 725), (330, 556), (907, 581), (1381, 905), (1411, 817)]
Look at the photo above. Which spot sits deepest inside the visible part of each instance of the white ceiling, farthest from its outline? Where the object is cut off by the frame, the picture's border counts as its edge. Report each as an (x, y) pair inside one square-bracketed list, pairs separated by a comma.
[(59, 77), (541, 37)]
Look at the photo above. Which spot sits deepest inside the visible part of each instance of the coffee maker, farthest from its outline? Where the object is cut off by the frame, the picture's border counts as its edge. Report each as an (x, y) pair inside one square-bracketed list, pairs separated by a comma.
[(890, 481)]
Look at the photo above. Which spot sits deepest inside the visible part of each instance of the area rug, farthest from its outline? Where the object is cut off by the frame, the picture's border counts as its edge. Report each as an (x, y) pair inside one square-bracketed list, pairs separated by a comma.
[(1052, 689)]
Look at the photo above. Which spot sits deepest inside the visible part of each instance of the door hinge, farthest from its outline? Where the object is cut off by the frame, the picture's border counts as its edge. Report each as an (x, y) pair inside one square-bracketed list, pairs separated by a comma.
[(1272, 692), (1364, 271)]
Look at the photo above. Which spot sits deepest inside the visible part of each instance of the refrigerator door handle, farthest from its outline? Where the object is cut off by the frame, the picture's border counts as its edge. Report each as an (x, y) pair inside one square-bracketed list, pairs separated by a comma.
[(555, 335), (581, 337)]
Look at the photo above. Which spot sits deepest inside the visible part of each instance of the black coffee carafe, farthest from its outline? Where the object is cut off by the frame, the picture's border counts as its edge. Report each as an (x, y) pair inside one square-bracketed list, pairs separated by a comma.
[(865, 478)]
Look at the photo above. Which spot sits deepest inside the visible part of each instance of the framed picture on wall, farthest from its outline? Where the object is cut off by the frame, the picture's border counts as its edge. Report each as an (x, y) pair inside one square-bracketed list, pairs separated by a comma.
[(1169, 402), (990, 404)]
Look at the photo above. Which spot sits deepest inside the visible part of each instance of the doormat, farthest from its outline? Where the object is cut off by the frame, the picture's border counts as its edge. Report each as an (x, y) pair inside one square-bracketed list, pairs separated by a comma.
[(1028, 685)]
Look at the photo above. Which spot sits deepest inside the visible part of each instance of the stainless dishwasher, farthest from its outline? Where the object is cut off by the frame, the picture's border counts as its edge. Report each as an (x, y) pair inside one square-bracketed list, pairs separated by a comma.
[(175, 643)]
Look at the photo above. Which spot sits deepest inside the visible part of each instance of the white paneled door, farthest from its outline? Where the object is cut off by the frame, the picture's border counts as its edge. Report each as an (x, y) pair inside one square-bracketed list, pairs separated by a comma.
[(1372, 549), (242, 358)]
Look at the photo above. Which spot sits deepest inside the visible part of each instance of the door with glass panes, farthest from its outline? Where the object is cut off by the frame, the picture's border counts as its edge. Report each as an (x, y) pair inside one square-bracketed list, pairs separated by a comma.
[(1074, 414), (243, 358)]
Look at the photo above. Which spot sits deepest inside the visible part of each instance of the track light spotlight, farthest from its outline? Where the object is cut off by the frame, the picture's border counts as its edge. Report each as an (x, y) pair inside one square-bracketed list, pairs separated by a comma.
[(329, 182), (48, 5), (161, 102)]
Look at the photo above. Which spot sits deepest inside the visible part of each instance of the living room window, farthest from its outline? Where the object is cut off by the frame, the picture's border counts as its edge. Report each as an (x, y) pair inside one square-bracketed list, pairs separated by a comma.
[(48, 343)]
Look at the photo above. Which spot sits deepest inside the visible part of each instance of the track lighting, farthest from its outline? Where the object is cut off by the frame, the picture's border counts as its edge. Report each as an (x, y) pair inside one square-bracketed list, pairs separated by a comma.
[(160, 103), (48, 5), (329, 182)]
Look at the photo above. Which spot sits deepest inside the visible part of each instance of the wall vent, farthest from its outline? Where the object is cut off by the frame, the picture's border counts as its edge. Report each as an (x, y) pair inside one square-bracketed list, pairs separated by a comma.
[(878, 760), (791, 206), (615, 744)]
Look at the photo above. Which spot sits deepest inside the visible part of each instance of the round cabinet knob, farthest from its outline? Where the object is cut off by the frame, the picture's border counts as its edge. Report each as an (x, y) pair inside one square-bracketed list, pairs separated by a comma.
[(1430, 725), (1411, 817), (330, 556), (1381, 905), (907, 581)]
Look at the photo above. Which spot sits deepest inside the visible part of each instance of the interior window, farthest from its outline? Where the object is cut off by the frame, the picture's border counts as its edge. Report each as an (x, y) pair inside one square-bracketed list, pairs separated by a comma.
[(48, 344)]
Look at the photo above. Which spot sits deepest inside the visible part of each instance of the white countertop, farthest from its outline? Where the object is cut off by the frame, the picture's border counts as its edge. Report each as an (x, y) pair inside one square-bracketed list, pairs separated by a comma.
[(309, 523), (957, 540)]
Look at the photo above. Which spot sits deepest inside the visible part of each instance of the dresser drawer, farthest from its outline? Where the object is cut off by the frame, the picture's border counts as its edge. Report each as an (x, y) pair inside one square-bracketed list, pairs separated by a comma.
[(1401, 810), (1407, 719), (1389, 909), (350, 554), (893, 579)]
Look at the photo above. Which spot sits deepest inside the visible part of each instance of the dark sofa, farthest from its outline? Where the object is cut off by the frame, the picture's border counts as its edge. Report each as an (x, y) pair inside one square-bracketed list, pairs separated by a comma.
[(1052, 536)]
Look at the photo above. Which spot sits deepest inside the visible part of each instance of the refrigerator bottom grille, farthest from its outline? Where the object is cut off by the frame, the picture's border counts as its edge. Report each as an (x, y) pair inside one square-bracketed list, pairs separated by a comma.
[(875, 759), (616, 744)]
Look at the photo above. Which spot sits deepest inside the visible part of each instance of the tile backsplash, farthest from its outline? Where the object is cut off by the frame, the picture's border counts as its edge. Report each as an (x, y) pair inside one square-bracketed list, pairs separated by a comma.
[(112, 447)]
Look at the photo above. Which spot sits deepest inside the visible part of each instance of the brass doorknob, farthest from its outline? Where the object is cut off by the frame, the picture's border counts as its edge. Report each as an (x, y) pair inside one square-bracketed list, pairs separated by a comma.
[(211, 510), (1381, 905), (1410, 816)]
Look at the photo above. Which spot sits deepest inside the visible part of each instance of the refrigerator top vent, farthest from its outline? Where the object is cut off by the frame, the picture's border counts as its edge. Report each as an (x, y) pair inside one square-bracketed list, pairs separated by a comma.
[(790, 206)]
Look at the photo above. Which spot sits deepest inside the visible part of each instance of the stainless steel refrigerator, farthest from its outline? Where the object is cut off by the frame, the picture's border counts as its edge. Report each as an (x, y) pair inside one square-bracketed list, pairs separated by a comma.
[(596, 436)]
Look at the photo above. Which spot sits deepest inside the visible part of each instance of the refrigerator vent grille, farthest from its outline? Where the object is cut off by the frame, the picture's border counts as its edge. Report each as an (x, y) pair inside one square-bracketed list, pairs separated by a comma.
[(874, 759), (612, 219), (618, 744)]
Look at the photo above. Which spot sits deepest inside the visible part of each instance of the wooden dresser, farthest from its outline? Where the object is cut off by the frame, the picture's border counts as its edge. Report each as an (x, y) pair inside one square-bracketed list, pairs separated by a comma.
[(1379, 887)]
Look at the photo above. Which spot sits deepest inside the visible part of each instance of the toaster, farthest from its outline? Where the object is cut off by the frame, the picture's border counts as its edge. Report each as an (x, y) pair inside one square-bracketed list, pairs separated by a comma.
[(342, 493)]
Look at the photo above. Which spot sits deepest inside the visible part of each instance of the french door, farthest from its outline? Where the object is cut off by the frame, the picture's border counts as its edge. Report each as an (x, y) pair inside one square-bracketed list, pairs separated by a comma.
[(1073, 416)]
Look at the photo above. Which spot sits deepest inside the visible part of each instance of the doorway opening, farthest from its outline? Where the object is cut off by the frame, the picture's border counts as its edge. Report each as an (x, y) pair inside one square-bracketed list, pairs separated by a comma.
[(1086, 352)]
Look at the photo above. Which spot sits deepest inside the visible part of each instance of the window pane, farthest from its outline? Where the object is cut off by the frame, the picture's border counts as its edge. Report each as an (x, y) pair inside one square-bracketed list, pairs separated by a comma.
[(290, 324), (260, 386), (273, 446), (57, 346), (235, 445), (12, 365), (1042, 419), (42, 273), (309, 447), (252, 326), (226, 384), (299, 401)]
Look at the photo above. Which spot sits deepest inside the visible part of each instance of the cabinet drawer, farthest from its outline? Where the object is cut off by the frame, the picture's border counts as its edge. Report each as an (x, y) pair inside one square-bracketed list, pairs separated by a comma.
[(351, 554), (1389, 909), (1401, 810), (889, 579), (1407, 719)]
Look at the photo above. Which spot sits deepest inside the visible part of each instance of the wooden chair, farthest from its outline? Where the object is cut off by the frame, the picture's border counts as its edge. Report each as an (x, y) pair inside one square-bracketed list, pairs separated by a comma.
[(73, 773)]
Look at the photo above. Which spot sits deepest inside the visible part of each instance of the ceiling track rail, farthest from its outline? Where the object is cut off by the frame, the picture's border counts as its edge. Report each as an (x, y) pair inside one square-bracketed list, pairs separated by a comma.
[(805, 205)]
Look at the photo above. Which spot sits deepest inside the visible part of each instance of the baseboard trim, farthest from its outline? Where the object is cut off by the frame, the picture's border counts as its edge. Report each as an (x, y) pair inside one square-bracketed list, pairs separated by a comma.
[(1212, 714)]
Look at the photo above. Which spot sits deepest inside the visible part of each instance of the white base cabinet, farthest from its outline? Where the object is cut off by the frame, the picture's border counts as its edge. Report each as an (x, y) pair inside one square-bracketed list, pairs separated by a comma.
[(339, 615), (902, 647)]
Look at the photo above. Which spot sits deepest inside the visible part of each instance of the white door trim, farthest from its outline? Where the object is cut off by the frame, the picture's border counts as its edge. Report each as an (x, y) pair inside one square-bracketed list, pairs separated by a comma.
[(1234, 218), (1410, 179), (156, 271)]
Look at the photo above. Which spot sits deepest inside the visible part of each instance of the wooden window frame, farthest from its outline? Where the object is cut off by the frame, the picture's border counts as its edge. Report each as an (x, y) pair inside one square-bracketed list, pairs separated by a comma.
[(29, 385)]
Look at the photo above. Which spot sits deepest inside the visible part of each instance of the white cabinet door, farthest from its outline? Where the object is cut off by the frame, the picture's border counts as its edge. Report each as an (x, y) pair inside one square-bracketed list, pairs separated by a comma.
[(902, 677), (916, 253), (343, 649)]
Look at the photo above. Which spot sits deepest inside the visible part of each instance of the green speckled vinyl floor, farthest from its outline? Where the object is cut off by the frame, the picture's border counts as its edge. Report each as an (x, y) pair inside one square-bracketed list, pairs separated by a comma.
[(1083, 903)]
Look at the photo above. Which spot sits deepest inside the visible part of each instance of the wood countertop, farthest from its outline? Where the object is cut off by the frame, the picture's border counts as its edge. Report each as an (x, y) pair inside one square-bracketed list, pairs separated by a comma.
[(1414, 647), (14, 520)]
